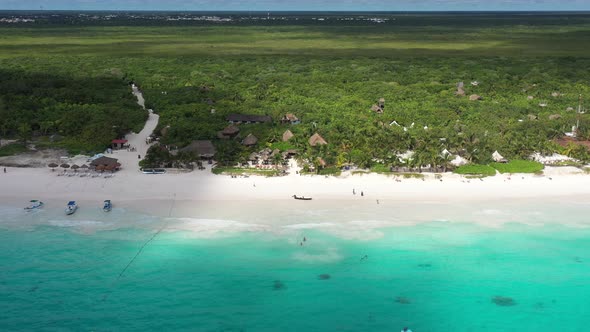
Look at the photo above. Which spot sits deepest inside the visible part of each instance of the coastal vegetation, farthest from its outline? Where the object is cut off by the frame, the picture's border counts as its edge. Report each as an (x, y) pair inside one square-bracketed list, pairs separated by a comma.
[(518, 166), (528, 75)]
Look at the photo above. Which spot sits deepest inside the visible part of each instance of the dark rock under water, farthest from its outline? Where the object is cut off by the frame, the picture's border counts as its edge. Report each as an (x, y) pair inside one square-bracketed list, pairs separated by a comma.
[(278, 285), (503, 301), (402, 300), (324, 276)]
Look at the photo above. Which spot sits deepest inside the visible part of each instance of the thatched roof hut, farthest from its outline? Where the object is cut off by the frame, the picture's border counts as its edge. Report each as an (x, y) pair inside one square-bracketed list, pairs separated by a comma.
[(554, 117), (230, 130), (555, 94), (103, 161), (316, 139), (250, 140), (203, 149), (530, 97), (290, 118), (253, 156), (569, 109), (376, 108), (497, 157), (532, 117), (475, 97), (460, 92), (321, 162), (287, 135)]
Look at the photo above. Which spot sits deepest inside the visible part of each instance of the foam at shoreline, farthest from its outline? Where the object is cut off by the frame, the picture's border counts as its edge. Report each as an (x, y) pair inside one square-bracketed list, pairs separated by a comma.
[(359, 221)]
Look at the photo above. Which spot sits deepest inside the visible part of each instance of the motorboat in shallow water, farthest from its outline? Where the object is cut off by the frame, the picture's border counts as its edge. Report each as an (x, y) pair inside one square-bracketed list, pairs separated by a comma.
[(108, 206), (34, 204), (71, 207)]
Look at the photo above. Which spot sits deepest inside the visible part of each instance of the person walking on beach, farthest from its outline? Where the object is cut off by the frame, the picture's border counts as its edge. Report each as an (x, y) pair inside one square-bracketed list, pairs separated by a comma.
[(353, 192), (4, 169), (362, 194)]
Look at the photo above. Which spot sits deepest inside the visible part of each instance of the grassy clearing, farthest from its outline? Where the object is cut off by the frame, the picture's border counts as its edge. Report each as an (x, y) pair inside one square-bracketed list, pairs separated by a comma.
[(244, 171), (335, 40), (518, 166), (481, 170)]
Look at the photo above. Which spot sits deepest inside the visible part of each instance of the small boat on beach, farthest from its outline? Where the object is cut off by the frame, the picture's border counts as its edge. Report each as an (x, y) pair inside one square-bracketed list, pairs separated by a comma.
[(108, 206), (71, 208), (34, 204), (303, 198)]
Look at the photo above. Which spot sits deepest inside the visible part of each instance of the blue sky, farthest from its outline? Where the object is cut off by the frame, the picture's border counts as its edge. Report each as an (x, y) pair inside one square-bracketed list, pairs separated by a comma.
[(264, 5)]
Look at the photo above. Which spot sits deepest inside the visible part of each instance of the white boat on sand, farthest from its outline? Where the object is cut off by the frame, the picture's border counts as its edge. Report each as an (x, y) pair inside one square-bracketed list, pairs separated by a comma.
[(71, 208), (34, 204)]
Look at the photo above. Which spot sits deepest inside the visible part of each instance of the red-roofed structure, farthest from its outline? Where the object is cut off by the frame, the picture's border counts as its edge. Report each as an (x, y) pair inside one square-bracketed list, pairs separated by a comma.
[(118, 143)]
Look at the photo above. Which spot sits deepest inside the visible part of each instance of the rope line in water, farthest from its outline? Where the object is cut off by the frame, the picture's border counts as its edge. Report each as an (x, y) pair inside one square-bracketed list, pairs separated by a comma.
[(148, 241), (143, 246)]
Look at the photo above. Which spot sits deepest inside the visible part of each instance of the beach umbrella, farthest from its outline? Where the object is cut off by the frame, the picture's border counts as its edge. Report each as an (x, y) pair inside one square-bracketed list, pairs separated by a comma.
[(75, 168), (85, 167), (64, 166), (53, 166)]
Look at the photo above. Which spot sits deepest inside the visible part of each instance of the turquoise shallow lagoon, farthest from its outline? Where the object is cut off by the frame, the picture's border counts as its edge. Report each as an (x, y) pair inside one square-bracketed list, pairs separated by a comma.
[(434, 276)]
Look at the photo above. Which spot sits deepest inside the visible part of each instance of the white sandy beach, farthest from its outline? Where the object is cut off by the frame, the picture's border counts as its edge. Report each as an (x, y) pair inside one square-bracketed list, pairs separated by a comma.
[(132, 187)]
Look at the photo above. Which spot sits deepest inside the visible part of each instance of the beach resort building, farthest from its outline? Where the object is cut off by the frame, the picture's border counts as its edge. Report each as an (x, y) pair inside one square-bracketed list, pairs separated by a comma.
[(247, 118), (118, 143)]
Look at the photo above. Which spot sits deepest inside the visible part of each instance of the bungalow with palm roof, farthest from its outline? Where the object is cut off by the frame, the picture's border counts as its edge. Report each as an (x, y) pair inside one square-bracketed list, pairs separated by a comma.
[(250, 140), (201, 149), (316, 139), (287, 135), (228, 132), (290, 118)]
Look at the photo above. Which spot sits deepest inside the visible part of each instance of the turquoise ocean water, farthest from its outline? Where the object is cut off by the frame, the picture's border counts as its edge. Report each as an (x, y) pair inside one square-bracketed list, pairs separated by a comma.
[(436, 276)]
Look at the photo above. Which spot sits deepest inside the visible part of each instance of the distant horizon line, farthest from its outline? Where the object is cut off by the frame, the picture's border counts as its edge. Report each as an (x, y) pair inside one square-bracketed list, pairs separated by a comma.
[(293, 11)]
